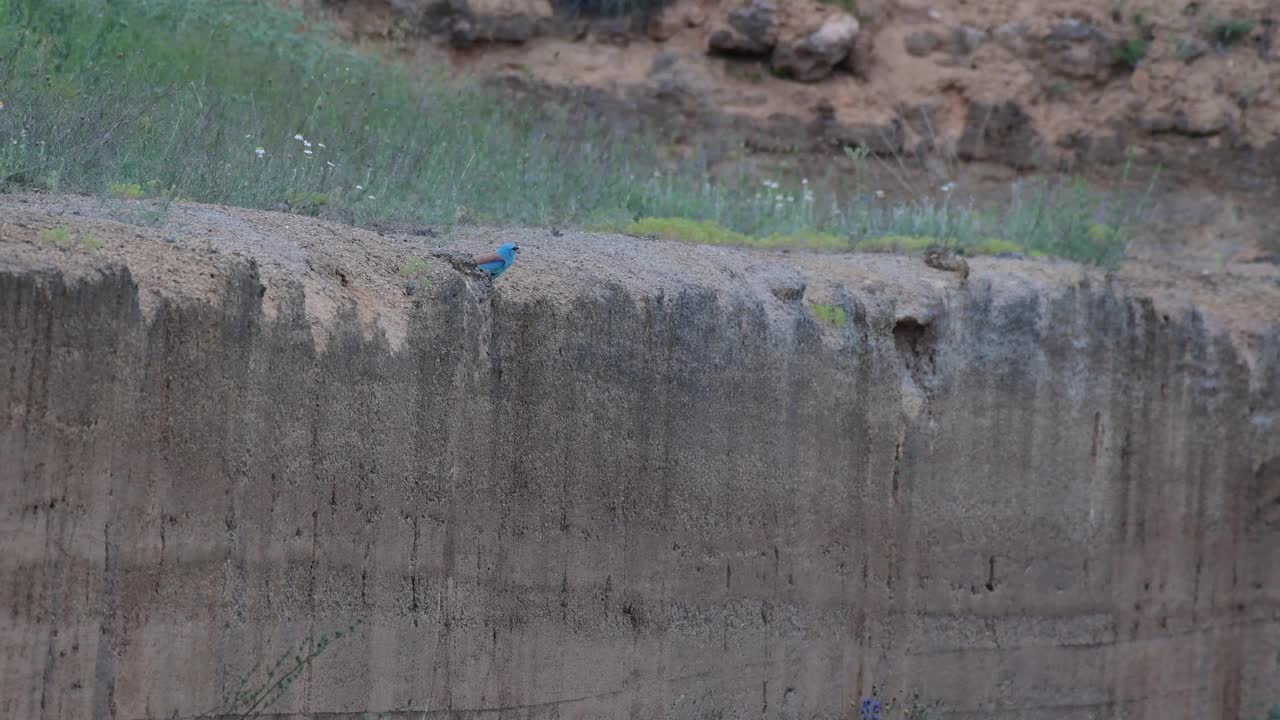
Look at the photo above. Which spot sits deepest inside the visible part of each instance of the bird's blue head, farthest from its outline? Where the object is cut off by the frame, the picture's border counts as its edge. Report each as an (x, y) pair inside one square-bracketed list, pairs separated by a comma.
[(507, 251)]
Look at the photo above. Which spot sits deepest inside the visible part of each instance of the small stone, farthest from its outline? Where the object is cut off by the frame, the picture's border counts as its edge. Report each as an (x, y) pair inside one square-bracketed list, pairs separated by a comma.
[(861, 56), (663, 61), (922, 43), (662, 27), (1079, 50), (1012, 37), (1074, 31), (965, 40)]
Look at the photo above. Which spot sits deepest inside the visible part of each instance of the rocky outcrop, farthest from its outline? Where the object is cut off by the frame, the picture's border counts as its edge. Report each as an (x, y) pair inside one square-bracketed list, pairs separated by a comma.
[(749, 31), (1001, 132), (812, 57), (804, 41), (1078, 50), (687, 482)]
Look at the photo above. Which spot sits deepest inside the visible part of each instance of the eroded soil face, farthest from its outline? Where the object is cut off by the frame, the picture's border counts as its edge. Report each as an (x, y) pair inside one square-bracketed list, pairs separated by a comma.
[(979, 93), (623, 477)]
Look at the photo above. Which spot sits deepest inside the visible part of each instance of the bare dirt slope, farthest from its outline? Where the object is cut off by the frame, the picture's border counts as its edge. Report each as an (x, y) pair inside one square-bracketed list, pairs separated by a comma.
[(631, 478)]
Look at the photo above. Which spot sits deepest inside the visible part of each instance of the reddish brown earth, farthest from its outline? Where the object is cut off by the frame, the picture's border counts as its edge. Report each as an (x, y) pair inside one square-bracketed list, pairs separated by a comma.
[(980, 93)]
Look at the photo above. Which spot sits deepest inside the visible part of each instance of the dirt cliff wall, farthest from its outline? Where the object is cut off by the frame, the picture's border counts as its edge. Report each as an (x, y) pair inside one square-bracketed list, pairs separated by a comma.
[(630, 493)]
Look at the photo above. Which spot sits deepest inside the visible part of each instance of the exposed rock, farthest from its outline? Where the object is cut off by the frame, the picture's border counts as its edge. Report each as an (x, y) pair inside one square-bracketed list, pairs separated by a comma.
[(680, 86), (1002, 132), (1079, 50), (812, 57), (877, 138), (663, 26), (861, 55), (1209, 116), (751, 31), (614, 30), (1193, 104), (1107, 148), (470, 22), (1012, 37), (965, 40), (922, 43)]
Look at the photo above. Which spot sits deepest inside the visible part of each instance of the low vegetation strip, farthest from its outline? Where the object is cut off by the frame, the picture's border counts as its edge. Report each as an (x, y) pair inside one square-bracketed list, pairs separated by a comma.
[(246, 103)]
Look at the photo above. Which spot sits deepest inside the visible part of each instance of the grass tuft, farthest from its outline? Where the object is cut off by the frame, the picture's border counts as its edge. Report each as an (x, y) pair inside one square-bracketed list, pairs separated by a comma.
[(306, 202), (1131, 52), (59, 237), (415, 270), (832, 315), (1228, 32), (125, 191)]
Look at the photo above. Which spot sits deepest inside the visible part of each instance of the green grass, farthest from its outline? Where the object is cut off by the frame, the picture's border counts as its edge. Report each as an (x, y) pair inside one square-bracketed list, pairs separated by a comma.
[(125, 191), (828, 314), (1131, 52), (415, 270), (62, 238), (229, 101), (1228, 32), (305, 202)]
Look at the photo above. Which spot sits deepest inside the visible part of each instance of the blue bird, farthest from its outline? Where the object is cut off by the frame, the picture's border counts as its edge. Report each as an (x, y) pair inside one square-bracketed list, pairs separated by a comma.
[(495, 263)]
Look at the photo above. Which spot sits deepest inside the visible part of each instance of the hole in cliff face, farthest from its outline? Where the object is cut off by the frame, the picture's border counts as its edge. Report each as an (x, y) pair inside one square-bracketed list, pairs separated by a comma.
[(908, 335), (914, 340)]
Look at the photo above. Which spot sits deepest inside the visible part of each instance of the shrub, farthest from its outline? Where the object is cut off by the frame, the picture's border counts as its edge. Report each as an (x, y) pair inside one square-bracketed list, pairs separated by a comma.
[(60, 237), (1228, 32), (1131, 52)]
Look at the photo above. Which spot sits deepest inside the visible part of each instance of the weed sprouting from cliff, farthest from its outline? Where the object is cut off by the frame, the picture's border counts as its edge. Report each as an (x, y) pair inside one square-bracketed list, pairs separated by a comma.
[(263, 685), (149, 102)]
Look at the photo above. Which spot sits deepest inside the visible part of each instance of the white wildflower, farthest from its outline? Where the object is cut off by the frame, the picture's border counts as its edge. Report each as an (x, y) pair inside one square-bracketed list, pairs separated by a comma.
[(306, 143), (259, 151), (359, 187), (880, 194), (308, 152), (249, 136), (298, 137), (320, 144), (1, 104), (371, 197), (948, 187), (326, 162)]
